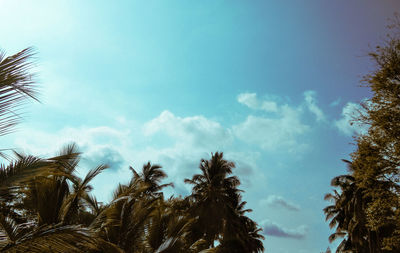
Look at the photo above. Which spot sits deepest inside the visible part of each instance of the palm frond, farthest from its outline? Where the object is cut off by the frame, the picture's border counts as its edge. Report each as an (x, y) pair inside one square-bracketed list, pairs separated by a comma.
[(16, 85), (9, 228), (22, 170), (92, 203), (71, 204), (336, 235), (55, 239), (176, 232)]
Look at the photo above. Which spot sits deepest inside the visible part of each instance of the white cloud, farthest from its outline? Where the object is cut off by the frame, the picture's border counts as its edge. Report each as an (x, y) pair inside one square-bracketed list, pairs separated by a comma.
[(251, 101), (280, 202), (273, 229), (104, 154), (346, 125), (98, 144), (272, 133), (186, 141), (193, 138), (282, 128), (335, 103), (311, 103), (196, 131)]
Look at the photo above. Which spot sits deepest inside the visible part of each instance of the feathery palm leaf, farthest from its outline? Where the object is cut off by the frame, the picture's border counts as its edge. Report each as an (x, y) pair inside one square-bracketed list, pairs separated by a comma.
[(16, 85), (22, 170), (54, 239), (152, 175), (81, 188)]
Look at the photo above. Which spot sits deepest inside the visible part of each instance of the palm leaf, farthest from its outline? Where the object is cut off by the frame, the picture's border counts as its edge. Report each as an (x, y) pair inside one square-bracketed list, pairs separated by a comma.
[(55, 239), (16, 85), (21, 170)]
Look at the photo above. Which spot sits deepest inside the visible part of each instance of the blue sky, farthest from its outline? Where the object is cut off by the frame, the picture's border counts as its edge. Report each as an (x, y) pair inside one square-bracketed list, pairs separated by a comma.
[(269, 83)]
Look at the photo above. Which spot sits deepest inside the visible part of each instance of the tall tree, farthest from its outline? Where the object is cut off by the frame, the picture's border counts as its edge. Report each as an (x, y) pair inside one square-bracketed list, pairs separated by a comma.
[(347, 215), (241, 234), (151, 175), (378, 152), (376, 161), (214, 192)]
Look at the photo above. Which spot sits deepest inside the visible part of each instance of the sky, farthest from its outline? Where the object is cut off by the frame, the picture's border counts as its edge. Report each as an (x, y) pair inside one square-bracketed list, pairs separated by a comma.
[(272, 84)]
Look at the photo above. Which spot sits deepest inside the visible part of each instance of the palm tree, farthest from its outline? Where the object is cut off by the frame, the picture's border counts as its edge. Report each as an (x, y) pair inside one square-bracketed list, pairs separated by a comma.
[(45, 215), (18, 232), (241, 234), (59, 197), (347, 215), (78, 198), (213, 193), (167, 229), (123, 221), (151, 175), (17, 86)]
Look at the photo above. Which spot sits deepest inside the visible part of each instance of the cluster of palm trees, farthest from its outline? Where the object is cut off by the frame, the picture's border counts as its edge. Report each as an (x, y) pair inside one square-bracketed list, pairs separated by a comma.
[(46, 207)]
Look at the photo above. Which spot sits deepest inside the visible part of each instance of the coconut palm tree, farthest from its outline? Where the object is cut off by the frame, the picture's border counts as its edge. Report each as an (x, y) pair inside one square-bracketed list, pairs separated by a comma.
[(19, 232), (347, 215), (151, 175), (241, 234), (123, 221), (167, 230), (77, 200), (17, 86), (27, 228), (61, 196), (214, 192), (45, 214)]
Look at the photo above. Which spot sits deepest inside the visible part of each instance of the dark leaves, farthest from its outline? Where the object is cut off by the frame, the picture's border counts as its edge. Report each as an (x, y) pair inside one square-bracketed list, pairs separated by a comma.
[(16, 85)]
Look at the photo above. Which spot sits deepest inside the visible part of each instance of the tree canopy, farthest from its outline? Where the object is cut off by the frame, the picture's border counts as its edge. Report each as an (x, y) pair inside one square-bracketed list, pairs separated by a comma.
[(365, 210)]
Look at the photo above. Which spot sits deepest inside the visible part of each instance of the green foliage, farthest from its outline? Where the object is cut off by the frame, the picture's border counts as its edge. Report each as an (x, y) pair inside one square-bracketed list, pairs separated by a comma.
[(55, 212), (366, 206)]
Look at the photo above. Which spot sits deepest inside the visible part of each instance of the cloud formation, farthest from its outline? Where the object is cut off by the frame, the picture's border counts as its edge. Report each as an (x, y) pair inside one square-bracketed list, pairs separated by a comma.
[(178, 143), (99, 142), (273, 229), (311, 103), (104, 154), (280, 202), (251, 101), (335, 102), (191, 138), (282, 127), (346, 125), (195, 130), (194, 138), (270, 133), (188, 140)]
